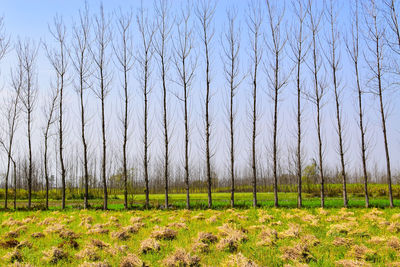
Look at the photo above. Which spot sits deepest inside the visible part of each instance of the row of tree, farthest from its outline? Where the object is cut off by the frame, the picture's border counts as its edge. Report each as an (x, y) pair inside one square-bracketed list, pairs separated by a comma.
[(97, 41)]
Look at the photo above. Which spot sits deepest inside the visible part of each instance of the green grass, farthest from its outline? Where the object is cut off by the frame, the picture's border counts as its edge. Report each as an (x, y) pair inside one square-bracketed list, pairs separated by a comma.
[(220, 201), (365, 223)]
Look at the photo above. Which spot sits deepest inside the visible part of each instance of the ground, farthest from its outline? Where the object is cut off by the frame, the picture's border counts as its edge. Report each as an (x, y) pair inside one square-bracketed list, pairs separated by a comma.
[(227, 237)]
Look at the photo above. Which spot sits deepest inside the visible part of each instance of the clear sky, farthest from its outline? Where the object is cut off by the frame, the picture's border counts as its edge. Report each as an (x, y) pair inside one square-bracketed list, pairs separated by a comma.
[(30, 19)]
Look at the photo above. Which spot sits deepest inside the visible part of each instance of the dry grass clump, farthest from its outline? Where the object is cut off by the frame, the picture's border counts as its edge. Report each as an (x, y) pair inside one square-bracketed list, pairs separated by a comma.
[(163, 233), (68, 234), (207, 238), (239, 260), (200, 247), (69, 243), (13, 256), (361, 252), (267, 237), (99, 244), (120, 235), (310, 240), (149, 245), (178, 225), (95, 264), (292, 232), (86, 221), (181, 258), (133, 229), (212, 219), (265, 218), (394, 227), (54, 228), (11, 222), (352, 263), (47, 221), (394, 242), (18, 264), (310, 219), (99, 229), (131, 260), (37, 235), (134, 220), (88, 253), (298, 253), (377, 240), (342, 228), (11, 243), (24, 244), (342, 241), (232, 237), (54, 255), (11, 234)]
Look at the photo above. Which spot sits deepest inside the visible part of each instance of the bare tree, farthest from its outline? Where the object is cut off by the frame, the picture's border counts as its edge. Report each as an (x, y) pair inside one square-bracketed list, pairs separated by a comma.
[(205, 14), (299, 53), (231, 47), (59, 61), (147, 31), (125, 59), (254, 22), (276, 78), (334, 64), (12, 114), (101, 58), (161, 48), (185, 66), (26, 53), (375, 44), (50, 120), (4, 40), (81, 62), (353, 51), (316, 97)]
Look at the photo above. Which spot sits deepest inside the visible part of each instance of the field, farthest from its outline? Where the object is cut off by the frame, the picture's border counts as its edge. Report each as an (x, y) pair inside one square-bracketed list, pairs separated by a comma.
[(220, 237)]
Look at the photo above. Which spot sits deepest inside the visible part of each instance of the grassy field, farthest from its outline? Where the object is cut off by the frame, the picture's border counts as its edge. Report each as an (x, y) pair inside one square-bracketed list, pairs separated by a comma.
[(220, 201), (243, 236)]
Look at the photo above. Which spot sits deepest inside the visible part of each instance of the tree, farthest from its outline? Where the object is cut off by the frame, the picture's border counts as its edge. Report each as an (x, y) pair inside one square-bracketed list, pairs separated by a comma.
[(125, 58), (161, 48), (334, 64), (147, 31), (205, 14), (316, 97), (299, 54), (59, 61), (231, 49), (50, 120), (276, 78), (81, 62), (353, 51), (254, 23), (185, 67), (375, 45), (26, 53), (12, 114), (101, 58)]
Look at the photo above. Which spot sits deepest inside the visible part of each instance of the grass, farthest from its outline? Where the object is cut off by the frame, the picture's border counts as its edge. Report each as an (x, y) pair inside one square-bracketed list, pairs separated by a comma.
[(262, 237), (220, 201)]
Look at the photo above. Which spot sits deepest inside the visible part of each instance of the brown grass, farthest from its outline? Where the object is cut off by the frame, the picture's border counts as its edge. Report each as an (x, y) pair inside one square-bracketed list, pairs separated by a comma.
[(24, 244), (298, 253), (342, 241), (292, 232), (95, 264), (37, 235), (352, 263), (200, 247), (88, 253), (120, 235), (360, 252), (394, 243), (149, 245), (181, 258), (239, 260), (99, 244), (54, 255), (11, 243), (163, 233), (13, 256), (131, 260), (206, 237)]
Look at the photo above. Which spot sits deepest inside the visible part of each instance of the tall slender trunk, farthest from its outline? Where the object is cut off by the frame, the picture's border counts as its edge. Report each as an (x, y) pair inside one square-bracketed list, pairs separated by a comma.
[(125, 142), (15, 185), (61, 141), (298, 152), (145, 159), (103, 130)]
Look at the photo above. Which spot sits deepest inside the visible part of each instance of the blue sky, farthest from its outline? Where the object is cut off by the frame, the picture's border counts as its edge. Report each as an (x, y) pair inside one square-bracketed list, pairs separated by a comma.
[(28, 18)]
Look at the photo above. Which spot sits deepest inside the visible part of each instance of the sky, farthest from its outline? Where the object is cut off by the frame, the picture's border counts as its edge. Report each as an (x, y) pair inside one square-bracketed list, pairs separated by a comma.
[(30, 19)]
